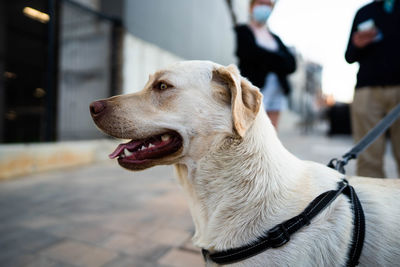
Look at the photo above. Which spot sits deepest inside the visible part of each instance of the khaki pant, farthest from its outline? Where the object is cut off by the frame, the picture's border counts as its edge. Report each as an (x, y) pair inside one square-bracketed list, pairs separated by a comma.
[(370, 105)]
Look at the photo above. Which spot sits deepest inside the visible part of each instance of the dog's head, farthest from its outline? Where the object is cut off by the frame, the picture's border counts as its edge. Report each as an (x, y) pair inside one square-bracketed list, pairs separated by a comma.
[(181, 112)]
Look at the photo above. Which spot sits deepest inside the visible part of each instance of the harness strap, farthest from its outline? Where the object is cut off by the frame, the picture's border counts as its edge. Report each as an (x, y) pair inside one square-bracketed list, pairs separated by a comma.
[(280, 234), (358, 230)]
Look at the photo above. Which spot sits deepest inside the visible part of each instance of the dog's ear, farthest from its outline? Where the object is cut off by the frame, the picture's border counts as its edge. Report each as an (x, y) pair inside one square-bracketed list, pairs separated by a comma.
[(245, 98)]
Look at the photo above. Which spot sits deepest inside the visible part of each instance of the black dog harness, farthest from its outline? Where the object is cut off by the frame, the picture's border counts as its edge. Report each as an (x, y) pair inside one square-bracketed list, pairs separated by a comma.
[(280, 234)]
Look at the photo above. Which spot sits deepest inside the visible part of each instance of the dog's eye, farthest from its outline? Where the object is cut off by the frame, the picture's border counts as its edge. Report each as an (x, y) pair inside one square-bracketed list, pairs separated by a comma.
[(162, 86)]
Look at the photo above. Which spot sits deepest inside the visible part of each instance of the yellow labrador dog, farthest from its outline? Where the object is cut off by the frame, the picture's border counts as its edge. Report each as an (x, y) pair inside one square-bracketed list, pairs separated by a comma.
[(240, 181)]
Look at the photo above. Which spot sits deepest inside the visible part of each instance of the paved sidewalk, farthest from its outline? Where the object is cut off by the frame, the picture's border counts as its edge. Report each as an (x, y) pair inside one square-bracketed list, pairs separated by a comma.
[(103, 215), (99, 215)]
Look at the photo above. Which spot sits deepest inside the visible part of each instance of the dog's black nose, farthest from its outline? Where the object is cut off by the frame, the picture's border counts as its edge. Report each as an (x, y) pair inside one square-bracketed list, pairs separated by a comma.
[(97, 107)]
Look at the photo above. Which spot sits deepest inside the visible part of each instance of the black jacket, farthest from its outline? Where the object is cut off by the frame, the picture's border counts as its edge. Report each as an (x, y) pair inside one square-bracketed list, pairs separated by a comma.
[(256, 62), (379, 61)]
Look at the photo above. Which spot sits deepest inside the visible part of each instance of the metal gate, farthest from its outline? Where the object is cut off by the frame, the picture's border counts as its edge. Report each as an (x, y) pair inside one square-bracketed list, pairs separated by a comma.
[(89, 47)]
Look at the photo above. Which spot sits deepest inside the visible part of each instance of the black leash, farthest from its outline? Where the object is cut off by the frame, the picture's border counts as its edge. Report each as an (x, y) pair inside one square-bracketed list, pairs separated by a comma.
[(367, 140), (280, 234)]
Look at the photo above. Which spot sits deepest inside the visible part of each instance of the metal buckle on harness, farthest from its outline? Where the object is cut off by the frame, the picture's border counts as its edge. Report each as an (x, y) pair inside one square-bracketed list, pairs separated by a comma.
[(278, 236), (338, 165)]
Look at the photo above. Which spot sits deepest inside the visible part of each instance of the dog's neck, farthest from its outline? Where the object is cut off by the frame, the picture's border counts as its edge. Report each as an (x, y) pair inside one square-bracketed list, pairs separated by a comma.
[(241, 188)]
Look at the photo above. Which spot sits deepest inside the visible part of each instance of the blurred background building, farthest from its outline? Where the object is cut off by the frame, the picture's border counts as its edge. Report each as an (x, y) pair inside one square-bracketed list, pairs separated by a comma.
[(307, 98), (58, 56)]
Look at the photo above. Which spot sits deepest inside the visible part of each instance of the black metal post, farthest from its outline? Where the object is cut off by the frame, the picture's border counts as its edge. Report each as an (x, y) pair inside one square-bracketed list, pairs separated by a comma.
[(2, 63), (51, 93)]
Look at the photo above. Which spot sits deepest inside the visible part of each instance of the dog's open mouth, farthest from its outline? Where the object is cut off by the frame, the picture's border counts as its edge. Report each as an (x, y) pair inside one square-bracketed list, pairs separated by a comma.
[(155, 147)]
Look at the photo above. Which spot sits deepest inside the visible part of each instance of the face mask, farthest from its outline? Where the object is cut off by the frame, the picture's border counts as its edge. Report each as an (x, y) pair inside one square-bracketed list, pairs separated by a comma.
[(388, 5), (261, 13)]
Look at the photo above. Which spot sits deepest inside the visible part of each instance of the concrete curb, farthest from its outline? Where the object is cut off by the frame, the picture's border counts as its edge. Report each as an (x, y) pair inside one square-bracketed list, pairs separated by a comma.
[(22, 159)]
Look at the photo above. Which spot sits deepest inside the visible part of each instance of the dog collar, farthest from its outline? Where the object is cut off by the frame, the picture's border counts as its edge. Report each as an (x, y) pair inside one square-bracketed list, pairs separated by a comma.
[(280, 234)]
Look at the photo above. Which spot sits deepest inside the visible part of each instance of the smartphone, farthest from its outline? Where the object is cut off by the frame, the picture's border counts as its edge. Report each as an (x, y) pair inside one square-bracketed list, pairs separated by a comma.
[(366, 25)]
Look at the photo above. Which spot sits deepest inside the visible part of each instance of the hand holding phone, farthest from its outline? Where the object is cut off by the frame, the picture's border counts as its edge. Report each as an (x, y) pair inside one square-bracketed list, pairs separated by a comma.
[(366, 34)]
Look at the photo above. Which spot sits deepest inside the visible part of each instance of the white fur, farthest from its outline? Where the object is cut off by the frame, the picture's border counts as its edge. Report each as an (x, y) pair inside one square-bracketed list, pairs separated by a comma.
[(239, 187)]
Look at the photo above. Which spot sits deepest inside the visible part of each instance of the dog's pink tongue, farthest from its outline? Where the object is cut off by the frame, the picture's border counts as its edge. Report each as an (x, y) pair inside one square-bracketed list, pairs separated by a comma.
[(131, 145), (117, 151)]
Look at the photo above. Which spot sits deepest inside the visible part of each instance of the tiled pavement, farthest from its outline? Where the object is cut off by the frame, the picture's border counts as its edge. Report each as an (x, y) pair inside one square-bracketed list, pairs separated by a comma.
[(102, 215), (98, 215)]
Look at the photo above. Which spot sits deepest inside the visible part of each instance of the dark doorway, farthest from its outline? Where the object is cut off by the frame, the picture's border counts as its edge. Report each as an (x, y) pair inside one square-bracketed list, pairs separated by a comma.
[(56, 56), (25, 71)]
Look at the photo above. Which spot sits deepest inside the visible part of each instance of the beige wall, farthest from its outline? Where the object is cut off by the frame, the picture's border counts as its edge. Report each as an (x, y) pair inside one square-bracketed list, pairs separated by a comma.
[(141, 59)]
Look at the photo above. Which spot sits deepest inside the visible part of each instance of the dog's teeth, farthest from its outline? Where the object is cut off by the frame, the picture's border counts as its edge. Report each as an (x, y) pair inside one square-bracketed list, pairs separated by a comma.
[(165, 137), (122, 155), (127, 152), (142, 148), (151, 145)]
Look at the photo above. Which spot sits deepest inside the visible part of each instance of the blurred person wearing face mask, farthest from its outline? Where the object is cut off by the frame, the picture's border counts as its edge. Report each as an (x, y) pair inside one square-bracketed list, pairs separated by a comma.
[(375, 44), (264, 59)]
